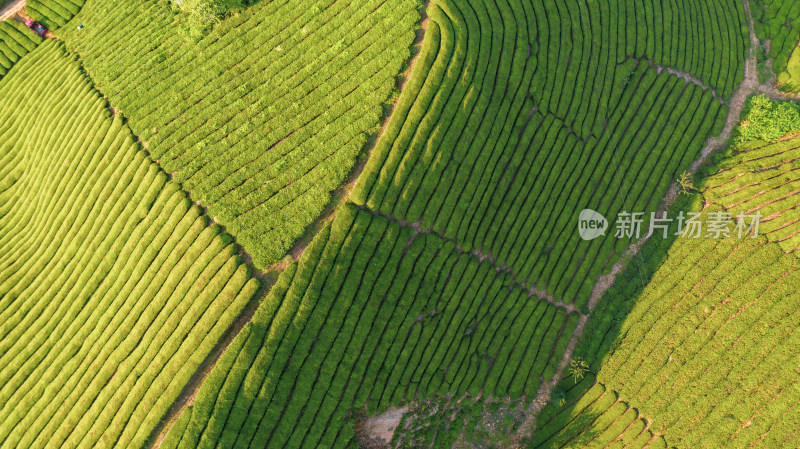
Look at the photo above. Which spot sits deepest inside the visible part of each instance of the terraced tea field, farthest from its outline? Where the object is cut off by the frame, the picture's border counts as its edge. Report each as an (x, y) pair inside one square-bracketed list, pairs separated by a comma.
[(704, 354), (15, 42), (373, 314), (114, 286), (342, 224), (503, 157), (763, 180), (262, 118)]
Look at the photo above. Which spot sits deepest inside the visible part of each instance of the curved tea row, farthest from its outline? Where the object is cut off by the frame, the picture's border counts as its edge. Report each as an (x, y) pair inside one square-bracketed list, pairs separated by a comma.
[(113, 286), (262, 117)]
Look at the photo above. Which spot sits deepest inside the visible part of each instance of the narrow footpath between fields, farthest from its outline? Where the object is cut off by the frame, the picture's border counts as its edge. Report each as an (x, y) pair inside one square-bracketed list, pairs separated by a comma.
[(270, 274), (11, 9), (748, 87)]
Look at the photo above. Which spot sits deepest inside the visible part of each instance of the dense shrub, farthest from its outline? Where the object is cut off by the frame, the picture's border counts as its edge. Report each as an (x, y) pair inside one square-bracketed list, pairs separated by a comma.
[(767, 120)]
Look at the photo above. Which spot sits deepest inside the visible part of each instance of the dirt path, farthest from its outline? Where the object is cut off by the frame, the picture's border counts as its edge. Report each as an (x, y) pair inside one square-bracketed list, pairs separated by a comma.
[(748, 87), (769, 90), (481, 256), (189, 393), (11, 9), (686, 76), (268, 276), (190, 390), (340, 196), (378, 430)]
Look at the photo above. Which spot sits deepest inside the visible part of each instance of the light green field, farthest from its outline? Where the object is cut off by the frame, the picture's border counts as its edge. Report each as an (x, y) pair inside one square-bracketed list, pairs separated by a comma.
[(263, 117), (418, 248), (113, 287)]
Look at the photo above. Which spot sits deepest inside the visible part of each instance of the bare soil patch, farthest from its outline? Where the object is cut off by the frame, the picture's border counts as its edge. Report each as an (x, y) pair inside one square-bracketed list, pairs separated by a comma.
[(377, 431)]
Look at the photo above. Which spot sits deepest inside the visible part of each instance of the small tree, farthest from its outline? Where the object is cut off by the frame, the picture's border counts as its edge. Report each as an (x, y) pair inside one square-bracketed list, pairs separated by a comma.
[(558, 397), (686, 183), (578, 369)]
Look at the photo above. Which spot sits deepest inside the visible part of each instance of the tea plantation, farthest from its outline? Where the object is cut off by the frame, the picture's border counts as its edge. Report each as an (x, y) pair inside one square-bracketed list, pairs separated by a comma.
[(264, 116), (372, 314), (503, 157), (343, 224), (15, 43), (705, 354), (113, 286)]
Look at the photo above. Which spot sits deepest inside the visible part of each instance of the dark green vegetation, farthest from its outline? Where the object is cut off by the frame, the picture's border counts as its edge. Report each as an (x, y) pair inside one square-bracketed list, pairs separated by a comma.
[(373, 315), (536, 127), (113, 287), (779, 22), (699, 336), (264, 116), (15, 42), (201, 15)]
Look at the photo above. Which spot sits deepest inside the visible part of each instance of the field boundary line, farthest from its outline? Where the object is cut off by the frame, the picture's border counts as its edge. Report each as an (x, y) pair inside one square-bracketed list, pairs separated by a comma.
[(268, 277), (748, 87), (688, 77), (532, 290)]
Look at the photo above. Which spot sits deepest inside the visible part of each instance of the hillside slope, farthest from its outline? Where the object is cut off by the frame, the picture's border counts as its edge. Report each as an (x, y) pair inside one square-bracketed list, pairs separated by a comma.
[(480, 168), (113, 286), (511, 133), (374, 315), (264, 116), (700, 337)]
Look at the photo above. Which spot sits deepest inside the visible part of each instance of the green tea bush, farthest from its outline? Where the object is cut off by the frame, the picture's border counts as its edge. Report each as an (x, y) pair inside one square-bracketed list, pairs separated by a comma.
[(15, 42), (114, 287), (705, 344), (386, 317), (502, 157), (759, 178), (264, 115), (767, 120), (779, 22), (53, 13)]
